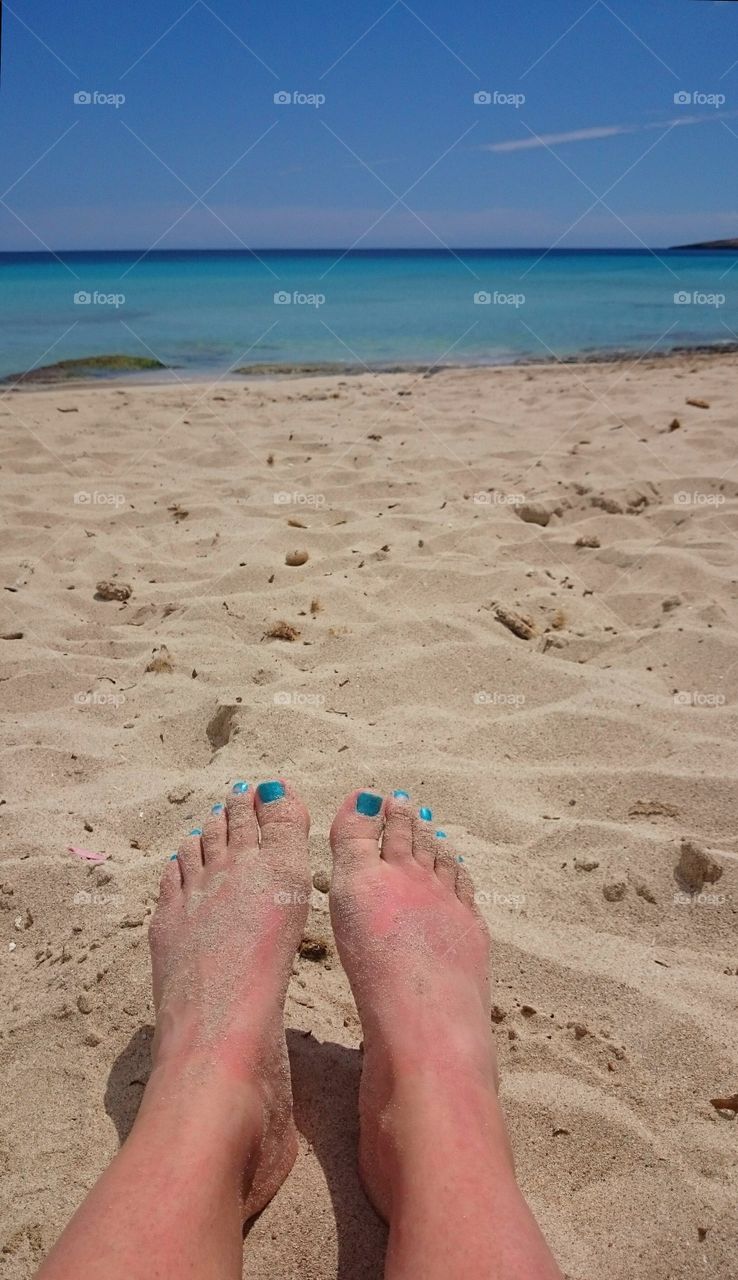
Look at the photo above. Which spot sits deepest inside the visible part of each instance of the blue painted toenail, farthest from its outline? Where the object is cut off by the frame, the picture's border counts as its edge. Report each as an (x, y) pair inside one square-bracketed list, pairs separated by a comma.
[(441, 835), (217, 808), (172, 857), (401, 795), (238, 788), (368, 804), (196, 831), (269, 791), (459, 858), (425, 813)]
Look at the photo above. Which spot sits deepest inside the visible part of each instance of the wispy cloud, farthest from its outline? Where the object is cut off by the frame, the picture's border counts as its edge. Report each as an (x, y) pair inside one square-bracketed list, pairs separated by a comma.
[(599, 131)]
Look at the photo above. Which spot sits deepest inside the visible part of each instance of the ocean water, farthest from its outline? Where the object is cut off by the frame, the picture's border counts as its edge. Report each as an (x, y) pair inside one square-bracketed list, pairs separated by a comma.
[(208, 312)]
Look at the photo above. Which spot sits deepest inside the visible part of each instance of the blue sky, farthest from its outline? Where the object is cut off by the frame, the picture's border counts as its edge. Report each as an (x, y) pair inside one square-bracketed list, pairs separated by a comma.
[(398, 154)]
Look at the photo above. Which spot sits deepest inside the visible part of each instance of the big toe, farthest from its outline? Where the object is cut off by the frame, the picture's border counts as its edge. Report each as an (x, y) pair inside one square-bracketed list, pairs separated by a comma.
[(357, 827)]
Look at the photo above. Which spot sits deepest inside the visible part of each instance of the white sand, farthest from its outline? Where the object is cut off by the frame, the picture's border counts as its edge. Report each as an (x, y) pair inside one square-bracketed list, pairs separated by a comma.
[(533, 754)]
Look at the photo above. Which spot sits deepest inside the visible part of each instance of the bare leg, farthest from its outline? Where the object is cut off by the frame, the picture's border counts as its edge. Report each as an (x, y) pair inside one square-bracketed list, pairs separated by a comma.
[(214, 1138), (416, 952)]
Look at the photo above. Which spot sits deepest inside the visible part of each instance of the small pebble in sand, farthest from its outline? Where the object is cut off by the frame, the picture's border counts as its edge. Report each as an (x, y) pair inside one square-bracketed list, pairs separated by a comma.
[(643, 889), (698, 404), (696, 866), (588, 540), (726, 1104), (282, 631), (674, 425), (614, 891), (296, 524), (321, 881), (585, 864), (515, 622), (113, 591), (92, 1039), (297, 557), (672, 602), (313, 948), (84, 1003), (162, 661), (533, 513)]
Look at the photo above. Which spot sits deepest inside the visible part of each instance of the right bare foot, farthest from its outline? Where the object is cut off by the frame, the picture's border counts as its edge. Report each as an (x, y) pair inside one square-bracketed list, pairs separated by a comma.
[(416, 951)]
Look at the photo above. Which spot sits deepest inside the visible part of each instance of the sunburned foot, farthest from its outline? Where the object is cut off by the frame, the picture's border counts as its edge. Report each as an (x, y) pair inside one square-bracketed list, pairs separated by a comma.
[(231, 913), (416, 952)]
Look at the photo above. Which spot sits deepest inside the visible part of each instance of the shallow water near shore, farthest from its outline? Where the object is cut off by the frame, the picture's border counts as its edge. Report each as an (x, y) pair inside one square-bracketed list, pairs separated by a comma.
[(205, 313)]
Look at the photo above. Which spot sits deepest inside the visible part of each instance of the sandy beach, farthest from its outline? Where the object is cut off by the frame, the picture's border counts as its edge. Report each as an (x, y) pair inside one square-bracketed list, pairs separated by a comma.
[(519, 603)]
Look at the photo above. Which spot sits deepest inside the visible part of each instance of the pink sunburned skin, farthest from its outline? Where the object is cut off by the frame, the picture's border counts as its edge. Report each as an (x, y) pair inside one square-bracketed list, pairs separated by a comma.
[(87, 855)]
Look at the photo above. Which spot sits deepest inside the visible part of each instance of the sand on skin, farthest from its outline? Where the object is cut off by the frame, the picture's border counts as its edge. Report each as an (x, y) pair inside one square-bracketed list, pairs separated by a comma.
[(566, 767)]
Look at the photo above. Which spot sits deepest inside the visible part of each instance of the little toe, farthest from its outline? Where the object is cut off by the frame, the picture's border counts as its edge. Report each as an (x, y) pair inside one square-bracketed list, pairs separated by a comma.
[(357, 827), (243, 828), (397, 837), (170, 885), (424, 839), (189, 854), (215, 835)]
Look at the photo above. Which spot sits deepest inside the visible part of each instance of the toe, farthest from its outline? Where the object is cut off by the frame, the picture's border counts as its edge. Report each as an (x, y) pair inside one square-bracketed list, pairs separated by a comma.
[(445, 862), (424, 839), (243, 829), (283, 818), (189, 854), (215, 835), (465, 890), (357, 827), (397, 838), (170, 885)]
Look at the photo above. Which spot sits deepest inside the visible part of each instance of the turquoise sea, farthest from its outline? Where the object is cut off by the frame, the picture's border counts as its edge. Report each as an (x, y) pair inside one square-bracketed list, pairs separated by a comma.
[(207, 312)]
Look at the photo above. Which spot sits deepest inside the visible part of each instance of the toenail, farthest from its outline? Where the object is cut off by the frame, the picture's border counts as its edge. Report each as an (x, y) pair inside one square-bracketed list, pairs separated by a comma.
[(459, 858), (425, 813), (196, 831), (172, 857), (368, 804), (441, 835), (269, 791), (217, 808), (401, 795), (238, 788)]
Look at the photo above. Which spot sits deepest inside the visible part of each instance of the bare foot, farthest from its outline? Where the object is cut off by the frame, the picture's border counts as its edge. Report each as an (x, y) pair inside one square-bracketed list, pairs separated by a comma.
[(416, 951), (231, 913)]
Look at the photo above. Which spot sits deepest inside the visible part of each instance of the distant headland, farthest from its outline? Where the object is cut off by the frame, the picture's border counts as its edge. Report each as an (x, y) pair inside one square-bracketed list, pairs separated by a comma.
[(709, 244)]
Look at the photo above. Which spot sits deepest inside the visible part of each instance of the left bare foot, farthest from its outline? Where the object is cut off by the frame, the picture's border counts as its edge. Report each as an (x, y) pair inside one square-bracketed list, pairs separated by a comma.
[(231, 913)]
